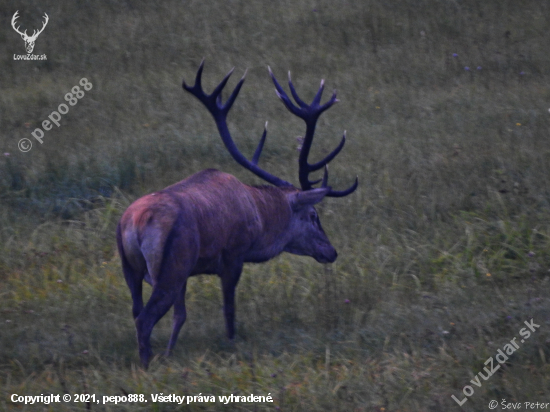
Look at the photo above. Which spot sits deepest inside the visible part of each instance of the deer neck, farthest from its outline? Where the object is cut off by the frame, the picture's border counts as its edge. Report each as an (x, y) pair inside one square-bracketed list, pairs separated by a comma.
[(274, 213)]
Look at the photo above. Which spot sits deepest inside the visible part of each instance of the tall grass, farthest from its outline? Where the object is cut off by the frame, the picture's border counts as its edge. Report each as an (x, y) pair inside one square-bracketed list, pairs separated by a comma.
[(443, 250)]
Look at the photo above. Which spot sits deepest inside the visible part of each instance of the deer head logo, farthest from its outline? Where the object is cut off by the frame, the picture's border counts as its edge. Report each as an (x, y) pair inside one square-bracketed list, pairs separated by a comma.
[(29, 40)]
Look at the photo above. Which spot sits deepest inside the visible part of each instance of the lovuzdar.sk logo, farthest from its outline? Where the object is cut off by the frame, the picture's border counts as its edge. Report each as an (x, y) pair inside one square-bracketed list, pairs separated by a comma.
[(29, 40)]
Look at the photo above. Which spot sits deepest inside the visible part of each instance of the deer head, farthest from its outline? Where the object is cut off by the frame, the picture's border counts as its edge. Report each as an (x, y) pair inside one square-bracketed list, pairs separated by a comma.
[(29, 40)]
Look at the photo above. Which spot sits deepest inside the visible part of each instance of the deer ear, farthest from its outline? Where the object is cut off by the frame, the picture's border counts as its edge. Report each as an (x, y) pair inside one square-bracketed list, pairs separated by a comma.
[(301, 199)]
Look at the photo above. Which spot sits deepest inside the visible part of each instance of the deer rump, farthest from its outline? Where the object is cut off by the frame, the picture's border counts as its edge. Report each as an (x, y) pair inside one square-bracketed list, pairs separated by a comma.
[(211, 223)]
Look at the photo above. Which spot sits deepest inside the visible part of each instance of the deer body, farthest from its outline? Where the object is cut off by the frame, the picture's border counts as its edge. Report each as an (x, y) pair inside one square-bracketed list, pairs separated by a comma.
[(222, 218), (211, 223)]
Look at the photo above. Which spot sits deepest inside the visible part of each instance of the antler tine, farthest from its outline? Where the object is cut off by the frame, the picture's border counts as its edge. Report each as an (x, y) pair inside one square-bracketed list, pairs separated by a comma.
[(218, 90), (310, 114), (338, 193), (198, 80), (35, 32), (330, 156), (258, 151), (294, 94), (219, 111), (235, 92), (283, 96), (342, 193), (13, 19), (317, 98)]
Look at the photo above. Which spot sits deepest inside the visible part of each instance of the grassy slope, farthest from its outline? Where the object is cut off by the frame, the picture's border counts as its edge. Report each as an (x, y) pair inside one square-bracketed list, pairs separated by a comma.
[(434, 272)]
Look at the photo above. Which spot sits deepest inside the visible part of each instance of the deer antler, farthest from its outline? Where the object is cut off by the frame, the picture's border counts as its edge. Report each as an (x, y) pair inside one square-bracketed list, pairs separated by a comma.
[(14, 18), (35, 35), (35, 32), (213, 102), (310, 114)]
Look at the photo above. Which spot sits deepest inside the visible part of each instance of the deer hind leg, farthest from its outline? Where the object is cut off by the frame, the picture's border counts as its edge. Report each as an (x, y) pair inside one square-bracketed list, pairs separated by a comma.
[(230, 277), (134, 280), (179, 256), (180, 314), (133, 274), (161, 300)]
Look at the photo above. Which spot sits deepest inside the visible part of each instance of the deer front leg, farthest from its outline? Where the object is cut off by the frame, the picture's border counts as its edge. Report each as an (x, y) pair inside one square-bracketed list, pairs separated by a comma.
[(230, 277)]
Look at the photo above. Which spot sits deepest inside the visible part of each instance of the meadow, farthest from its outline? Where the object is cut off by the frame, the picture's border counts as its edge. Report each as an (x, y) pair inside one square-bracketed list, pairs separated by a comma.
[(444, 249)]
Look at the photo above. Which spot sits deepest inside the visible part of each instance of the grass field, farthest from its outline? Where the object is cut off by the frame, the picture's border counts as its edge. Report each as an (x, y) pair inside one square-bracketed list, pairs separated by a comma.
[(444, 250)]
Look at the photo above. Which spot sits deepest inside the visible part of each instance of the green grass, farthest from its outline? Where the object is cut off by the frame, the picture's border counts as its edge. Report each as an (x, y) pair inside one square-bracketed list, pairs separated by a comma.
[(444, 250)]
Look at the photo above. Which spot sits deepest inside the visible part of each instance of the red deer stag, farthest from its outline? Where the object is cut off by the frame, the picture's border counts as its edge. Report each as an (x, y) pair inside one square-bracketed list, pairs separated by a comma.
[(211, 223)]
